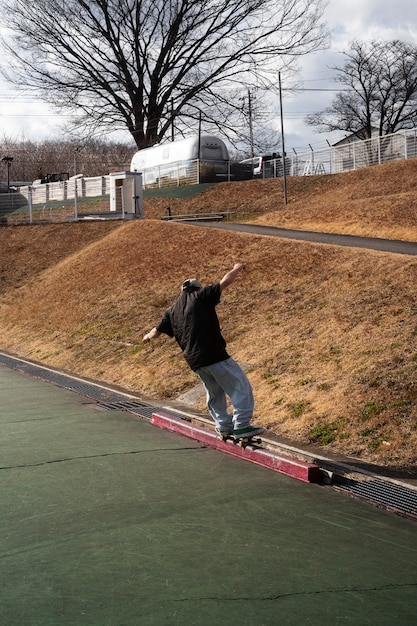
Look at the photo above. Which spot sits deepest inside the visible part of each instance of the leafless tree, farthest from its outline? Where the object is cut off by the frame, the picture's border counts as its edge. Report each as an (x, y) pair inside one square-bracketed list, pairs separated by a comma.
[(93, 157), (381, 91), (147, 66)]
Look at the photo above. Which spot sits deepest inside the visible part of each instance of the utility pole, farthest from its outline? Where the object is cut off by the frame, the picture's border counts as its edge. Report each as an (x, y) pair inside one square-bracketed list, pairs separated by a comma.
[(199, 146), (282, 139), (250, 123)]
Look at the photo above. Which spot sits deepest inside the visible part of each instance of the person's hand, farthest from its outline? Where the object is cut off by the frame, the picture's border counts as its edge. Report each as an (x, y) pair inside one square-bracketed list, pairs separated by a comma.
[(152, 334), (147, 337)]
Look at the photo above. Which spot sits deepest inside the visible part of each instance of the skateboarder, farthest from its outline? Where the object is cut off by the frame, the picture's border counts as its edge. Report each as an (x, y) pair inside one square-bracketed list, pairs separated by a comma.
[(193, 322)]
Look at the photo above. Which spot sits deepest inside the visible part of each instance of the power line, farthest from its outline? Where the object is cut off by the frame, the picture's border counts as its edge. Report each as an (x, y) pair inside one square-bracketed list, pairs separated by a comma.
[(35, 115), (314, 89)]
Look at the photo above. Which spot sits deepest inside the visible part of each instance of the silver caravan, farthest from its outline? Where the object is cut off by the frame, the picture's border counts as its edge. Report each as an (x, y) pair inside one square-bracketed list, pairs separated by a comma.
[(186, 161)]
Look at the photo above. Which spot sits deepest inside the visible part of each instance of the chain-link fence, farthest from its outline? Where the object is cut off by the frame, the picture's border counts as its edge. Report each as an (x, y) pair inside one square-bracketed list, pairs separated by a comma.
[(55, 202), (60, 201), (350, 155)]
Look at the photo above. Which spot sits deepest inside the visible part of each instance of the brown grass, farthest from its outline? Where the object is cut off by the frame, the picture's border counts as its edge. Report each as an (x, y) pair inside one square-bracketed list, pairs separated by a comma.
[(329, 335), (379, 201)]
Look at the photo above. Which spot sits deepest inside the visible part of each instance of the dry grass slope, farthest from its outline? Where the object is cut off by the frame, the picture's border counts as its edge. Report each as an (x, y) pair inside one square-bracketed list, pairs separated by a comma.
[(329, 334)]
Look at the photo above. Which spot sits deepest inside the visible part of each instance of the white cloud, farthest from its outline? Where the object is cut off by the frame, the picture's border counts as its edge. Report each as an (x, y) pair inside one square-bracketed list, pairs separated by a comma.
[(364, 20), (24, 118), (355, 19)]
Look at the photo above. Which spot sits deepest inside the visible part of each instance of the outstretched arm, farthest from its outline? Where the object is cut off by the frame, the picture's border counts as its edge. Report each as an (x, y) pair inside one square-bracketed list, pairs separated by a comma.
[(152, 334), (231, 276)]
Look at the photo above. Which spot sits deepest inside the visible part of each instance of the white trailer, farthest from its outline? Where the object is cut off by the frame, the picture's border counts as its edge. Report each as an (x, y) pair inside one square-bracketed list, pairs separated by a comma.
[(205, 158)]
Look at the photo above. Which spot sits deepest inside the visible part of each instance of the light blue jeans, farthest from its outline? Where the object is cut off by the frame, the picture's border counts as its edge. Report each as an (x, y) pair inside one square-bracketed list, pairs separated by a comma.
[(227, 378)]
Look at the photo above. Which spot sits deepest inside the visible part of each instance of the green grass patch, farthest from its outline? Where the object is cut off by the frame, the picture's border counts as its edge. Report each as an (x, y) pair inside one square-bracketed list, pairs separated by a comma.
[(182, 193), (370, 410), (298, 408), (326, 433)]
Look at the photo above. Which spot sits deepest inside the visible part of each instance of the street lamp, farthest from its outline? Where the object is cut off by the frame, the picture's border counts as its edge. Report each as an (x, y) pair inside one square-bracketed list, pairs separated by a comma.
[(8, 160)]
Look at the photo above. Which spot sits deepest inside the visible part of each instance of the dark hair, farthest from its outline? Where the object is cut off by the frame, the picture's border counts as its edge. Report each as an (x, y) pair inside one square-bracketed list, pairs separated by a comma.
[(190, 285)]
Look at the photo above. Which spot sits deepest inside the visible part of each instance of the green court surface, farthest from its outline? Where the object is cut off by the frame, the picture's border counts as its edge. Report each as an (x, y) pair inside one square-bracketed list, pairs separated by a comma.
[(107, 520)]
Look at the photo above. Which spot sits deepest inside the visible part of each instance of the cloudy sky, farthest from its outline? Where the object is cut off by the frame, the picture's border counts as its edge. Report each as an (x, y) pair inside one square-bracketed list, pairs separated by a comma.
[(364, 20), (352, 19)]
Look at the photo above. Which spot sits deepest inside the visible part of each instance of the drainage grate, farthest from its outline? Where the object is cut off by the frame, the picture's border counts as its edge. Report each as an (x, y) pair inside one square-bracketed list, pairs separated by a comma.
[(139, 408), (107, 398), (385, 494), (388, 495)]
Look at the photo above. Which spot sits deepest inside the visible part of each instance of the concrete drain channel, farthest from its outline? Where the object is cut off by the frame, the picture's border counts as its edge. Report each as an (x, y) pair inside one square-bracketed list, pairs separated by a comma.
[(383, 493), (107, 398)]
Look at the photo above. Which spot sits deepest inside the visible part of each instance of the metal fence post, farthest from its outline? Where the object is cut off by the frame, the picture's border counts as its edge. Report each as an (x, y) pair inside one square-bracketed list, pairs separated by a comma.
[(75, 200), (30, 205)]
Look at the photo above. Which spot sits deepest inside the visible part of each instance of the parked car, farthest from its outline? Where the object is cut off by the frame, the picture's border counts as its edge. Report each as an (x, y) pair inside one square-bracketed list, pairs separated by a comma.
[(52, 178)]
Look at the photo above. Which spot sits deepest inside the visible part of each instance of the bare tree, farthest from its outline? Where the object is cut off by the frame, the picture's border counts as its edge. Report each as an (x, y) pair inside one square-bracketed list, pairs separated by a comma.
[(32, 160), (381, 94), (147, 65)]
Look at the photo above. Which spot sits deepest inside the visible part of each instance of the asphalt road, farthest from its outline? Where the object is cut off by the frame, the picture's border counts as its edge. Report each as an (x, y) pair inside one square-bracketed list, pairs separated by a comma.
[(107, 520), (371, 243)]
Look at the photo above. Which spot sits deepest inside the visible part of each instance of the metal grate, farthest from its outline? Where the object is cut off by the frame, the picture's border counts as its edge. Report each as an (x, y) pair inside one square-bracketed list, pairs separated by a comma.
[(385, 494), (108, 399), (139, 408), (388, 495)]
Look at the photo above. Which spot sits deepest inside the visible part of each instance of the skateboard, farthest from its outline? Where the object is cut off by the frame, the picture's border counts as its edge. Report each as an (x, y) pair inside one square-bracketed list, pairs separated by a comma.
[(251, 440)]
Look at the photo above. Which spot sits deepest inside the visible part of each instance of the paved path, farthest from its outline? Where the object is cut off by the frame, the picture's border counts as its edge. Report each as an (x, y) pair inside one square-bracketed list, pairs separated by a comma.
[(372, 243), (108, 520)]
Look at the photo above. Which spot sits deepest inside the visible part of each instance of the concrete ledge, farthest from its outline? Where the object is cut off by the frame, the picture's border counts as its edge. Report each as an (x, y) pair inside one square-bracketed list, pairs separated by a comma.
[(307, 472), (193, 218)]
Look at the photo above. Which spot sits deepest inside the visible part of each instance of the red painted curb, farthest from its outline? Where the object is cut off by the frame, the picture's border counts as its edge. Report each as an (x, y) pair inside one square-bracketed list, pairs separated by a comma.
[(307, 472)]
